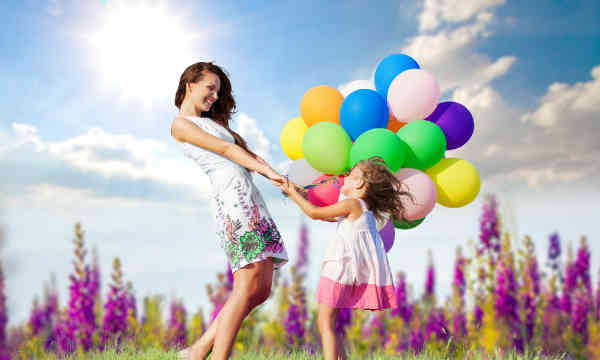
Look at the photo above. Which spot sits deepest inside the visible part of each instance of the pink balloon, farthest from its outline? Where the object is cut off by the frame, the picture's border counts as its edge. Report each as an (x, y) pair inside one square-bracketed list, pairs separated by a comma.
[(423, 191), (413, 95), (388, 234), (325, 194)]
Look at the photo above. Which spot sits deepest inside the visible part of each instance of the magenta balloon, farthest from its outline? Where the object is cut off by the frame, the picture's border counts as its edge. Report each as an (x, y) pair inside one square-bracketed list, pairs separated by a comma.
[(327, 193), (423, 191), (456, 122), (413, 95), (388, 233)]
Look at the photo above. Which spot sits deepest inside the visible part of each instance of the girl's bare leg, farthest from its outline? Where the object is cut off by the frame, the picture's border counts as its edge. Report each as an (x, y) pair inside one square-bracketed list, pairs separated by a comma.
[(326, 320)]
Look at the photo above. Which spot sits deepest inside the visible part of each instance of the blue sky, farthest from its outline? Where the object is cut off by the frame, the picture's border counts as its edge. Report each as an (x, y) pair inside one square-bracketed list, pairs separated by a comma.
[(85, 135)]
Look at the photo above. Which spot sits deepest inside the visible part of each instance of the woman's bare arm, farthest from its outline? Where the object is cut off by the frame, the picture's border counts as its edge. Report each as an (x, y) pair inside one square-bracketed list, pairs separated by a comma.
[(186, 131)]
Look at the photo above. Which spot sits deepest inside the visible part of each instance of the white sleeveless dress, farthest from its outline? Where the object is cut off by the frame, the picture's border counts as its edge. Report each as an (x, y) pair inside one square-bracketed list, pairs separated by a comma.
[(246, 230), (355, 271)]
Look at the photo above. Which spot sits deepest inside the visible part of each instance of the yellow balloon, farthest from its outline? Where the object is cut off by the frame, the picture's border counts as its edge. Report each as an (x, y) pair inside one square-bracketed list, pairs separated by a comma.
[(291, 138), (457, 182)]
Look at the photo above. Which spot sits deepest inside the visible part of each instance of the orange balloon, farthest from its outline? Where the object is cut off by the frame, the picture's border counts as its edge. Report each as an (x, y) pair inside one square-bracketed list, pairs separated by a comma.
[(321, 103), (395, 125)]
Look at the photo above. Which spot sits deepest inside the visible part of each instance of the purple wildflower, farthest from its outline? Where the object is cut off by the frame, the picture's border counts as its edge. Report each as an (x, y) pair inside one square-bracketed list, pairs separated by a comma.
[(568, 286), (459, 321), (4, 351), (343, 320), (219, 296), (302, 259), (489, 235), (554, 248), (582, 265), (506, 303), (403, 310), (177, 331), (114, 323), (81, 322), (436, 325), (477, 316), (579, 314), (459, 324), (430, 278), (416, 340), (459, 275), (294, 326)]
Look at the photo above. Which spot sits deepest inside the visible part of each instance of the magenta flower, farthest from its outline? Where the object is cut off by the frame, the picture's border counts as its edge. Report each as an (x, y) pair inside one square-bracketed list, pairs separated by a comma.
[(4, 351), (554, 248), (294, 325), (430, 278), (582, 265), (416, 340), (177, 331), (114, 323), (302, 259), (506, 305), (579, 314), (77, 329), (477, 316), (403, 310), (436, 325), (343, 320), (489, 235)]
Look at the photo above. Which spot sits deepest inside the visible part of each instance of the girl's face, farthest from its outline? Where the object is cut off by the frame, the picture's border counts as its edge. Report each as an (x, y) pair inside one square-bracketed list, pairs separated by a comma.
[(204, 92), (353, 183)]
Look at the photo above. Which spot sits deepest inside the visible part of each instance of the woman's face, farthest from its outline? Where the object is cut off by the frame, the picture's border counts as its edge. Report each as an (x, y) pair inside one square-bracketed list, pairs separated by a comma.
[(204, 92)]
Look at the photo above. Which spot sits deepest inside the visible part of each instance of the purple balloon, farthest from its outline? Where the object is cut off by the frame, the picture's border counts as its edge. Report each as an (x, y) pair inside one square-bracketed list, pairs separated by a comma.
[(388, 233), (456, 122)]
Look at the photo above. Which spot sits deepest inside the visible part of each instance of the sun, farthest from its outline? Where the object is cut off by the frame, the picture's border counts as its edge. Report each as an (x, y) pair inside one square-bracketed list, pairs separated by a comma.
[(141, 50)]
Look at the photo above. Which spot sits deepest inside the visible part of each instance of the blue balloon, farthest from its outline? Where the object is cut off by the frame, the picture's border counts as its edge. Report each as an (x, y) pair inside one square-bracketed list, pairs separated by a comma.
[(389, 68), (363, 110)]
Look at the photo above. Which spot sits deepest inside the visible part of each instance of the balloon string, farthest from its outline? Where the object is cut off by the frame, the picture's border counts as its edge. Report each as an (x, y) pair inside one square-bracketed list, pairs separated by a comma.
[(310, 186)]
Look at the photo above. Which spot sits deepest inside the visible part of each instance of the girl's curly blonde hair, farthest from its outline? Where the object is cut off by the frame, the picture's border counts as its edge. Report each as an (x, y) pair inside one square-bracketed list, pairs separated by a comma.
[(384, 192)]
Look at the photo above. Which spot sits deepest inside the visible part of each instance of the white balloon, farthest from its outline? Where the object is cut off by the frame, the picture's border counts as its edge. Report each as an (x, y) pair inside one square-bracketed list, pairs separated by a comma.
[(302, 173), (413, 95)]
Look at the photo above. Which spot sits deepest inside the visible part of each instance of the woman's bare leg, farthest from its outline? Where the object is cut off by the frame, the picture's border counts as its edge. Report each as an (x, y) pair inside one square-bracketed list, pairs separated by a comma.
[(251, 287), (326, 321)]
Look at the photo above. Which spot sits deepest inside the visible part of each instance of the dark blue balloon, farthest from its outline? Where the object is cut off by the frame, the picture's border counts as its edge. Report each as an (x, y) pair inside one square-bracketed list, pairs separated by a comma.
[(363, 110), (389, 68), (456, 122)]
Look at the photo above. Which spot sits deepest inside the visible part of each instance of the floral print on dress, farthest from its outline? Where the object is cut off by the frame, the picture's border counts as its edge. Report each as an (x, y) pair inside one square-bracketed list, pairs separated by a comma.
[(245, 239)]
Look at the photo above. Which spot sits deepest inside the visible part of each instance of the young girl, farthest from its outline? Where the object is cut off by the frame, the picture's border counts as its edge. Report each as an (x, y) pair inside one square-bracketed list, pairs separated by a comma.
[(355, 271)]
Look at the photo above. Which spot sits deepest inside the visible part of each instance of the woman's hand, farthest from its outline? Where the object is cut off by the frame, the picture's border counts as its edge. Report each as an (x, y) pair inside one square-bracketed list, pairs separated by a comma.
[(276, 178)]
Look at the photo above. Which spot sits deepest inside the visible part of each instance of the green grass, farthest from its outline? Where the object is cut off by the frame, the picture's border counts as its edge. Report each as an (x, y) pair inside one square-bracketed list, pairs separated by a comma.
[(156, 354)]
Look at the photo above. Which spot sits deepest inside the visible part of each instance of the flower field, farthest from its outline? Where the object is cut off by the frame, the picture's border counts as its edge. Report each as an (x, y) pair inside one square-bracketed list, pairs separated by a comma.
[(521, 305)]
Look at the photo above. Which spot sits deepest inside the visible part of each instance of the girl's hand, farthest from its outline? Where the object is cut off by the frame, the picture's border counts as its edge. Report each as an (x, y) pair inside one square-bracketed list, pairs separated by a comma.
[(276, 178)]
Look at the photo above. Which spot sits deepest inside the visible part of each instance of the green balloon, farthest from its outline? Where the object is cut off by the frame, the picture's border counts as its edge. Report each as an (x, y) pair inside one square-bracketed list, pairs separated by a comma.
[(326, 147), (406, 224), (379, 142), (426, 144)]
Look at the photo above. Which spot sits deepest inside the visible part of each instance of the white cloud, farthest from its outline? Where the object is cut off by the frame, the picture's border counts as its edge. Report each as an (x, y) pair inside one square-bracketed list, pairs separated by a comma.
[(248, 129), (347, 88), (111, 158), (436, 12)]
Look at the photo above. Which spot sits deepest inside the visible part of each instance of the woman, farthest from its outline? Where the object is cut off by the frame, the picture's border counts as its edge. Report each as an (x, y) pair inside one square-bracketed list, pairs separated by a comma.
[(245, 228)]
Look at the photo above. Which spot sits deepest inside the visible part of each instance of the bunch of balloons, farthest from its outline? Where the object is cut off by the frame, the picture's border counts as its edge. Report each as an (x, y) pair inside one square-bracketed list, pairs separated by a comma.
[(402, 122)]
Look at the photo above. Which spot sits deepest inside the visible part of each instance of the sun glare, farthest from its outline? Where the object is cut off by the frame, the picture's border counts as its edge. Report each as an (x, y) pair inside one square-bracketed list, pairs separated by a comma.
[(140, 50)]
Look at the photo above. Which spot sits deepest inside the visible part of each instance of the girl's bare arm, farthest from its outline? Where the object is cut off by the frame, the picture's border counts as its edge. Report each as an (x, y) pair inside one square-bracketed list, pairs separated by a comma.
[(350, 208)]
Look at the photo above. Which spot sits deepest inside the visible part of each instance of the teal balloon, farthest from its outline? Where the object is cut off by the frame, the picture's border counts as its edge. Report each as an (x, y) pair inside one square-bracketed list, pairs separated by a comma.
[(326, 147), (379, 142), (426, 144), (406, 224)]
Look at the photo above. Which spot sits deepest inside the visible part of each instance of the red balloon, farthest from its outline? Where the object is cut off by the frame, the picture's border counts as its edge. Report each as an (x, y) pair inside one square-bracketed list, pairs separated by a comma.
[(327, 193)]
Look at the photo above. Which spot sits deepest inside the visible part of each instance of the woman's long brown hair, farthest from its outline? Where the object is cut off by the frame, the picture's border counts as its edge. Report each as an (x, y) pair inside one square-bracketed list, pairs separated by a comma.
[(222, 110)]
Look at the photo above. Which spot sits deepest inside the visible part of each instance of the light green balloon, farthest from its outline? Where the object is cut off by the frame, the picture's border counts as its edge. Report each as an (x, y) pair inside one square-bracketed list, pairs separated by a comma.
[(326, 147), (379, 142), (426, 144)]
